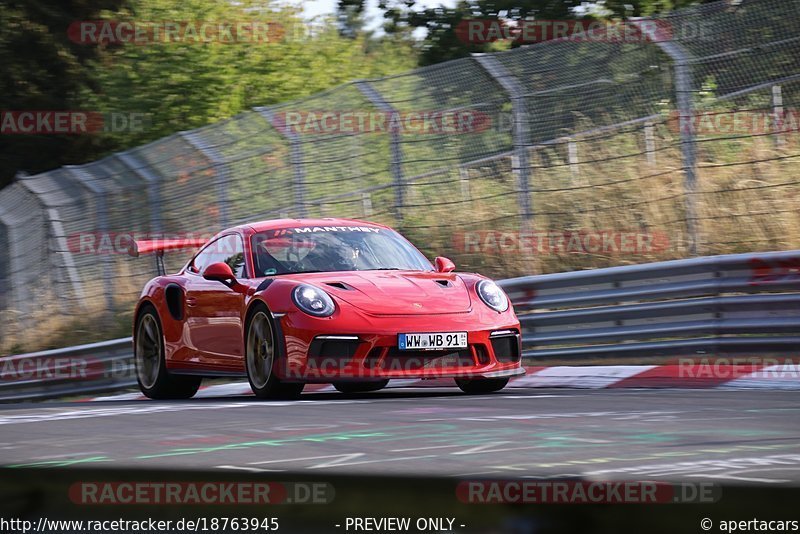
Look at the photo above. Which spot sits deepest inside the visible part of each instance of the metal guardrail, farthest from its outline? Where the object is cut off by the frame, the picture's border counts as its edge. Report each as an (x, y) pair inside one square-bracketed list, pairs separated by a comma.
[(733, 303), (730, 303), (78, 370)]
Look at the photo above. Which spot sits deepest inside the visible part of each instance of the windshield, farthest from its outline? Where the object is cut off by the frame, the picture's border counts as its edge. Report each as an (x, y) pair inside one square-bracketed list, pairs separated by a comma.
[(339, 248)]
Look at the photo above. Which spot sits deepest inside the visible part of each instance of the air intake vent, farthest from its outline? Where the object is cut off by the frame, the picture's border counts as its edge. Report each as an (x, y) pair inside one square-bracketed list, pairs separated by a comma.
[(506, 348), (338, 285), (443, 283)]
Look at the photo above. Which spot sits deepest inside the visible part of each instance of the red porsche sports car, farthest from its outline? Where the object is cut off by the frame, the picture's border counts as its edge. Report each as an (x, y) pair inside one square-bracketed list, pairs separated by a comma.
[(292, 301)]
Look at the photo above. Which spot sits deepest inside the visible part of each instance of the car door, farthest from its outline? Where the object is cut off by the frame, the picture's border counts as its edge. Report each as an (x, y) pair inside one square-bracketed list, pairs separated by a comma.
[(213, 310)]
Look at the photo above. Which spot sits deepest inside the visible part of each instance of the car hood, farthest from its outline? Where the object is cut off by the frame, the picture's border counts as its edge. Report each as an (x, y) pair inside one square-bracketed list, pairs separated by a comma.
[(395, 292)]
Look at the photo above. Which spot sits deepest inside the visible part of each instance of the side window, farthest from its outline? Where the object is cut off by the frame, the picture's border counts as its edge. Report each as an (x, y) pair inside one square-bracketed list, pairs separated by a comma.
[(227, 249), (231, 251), (204, 258)]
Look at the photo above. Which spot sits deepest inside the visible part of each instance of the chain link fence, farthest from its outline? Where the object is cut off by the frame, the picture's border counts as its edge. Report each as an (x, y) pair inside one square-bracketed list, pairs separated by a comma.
[(555, 156)]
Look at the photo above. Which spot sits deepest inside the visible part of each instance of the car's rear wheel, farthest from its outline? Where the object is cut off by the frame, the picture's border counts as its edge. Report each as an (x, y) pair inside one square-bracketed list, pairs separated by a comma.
[(263, 355), (479, 386), (360, 387), (151, 368)]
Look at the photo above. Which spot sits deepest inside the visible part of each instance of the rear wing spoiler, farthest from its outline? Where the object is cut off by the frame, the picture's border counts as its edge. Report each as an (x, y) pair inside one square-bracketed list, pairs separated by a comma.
[(159, 246)]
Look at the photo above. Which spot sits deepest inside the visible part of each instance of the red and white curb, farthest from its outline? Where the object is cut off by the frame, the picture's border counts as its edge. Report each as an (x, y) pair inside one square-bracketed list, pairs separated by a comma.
[(586, 377)]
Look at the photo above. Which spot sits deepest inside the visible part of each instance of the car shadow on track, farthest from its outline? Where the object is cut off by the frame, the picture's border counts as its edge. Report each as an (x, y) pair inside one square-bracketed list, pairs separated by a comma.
[(405, 393)]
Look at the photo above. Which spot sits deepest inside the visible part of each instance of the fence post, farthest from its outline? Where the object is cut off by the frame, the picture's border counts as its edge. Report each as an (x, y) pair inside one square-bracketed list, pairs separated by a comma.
[(650, 143), (13, 292), (463, 178), (57, 233), (366, 203), (63, 248), (572, 158), (520, 133), (683, 98), (18, 292), (7, 271), (90, 184), (295, 157), (222, 173), (153, 196), (396, 152), (777, 113)]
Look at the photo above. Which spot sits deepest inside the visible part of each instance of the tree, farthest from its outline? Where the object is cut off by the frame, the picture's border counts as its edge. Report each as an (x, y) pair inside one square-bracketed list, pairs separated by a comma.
[(444, 41), (646, 8), (177, 85), (44, 70), (350, 14)]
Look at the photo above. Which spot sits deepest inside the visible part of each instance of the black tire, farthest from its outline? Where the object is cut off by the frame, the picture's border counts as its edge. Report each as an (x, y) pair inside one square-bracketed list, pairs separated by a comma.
[(480, 386), (154, 380), (263, 352), (360, 387)]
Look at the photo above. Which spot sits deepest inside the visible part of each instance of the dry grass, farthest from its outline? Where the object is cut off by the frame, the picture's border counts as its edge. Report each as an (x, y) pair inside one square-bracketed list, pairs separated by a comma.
[(740, 207)]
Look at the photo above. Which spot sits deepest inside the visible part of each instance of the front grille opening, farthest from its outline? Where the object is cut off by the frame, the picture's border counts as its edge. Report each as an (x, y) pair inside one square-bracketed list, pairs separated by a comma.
[(506, 349), (418, 360), (343, 349), (373, 359), (482, 353)]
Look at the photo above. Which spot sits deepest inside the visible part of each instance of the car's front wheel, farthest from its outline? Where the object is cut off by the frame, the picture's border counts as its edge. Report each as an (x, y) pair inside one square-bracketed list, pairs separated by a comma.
[(263, 354), (478, 386), (151, 368), (360, 387)]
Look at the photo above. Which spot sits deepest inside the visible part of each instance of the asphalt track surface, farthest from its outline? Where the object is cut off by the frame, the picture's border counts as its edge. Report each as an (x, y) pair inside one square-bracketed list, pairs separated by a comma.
[(750, 437)]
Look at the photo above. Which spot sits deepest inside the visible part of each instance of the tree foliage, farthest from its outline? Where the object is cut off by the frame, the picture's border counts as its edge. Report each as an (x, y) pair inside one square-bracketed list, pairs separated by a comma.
[(443, 43), (44, 70), (177, 85)]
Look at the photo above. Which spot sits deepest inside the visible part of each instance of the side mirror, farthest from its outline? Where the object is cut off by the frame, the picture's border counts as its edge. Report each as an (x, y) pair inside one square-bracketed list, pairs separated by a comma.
[(219, 272), (444, 265)]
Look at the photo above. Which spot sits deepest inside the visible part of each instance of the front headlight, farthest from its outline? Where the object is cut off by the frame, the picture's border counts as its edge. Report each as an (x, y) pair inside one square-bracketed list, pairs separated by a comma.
[(491, 294), (313, 300)]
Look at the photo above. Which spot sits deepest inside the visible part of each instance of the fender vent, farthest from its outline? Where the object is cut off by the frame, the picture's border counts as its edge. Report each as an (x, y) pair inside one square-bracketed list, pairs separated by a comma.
[(174, 298), (264, 285), (444, 283)]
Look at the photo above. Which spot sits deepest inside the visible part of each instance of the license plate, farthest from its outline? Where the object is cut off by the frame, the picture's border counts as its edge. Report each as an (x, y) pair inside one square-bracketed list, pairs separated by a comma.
[(432, 341)]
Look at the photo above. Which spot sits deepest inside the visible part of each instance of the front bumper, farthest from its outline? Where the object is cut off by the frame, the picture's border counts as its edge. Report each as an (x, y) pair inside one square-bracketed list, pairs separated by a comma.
[(322, 351)]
